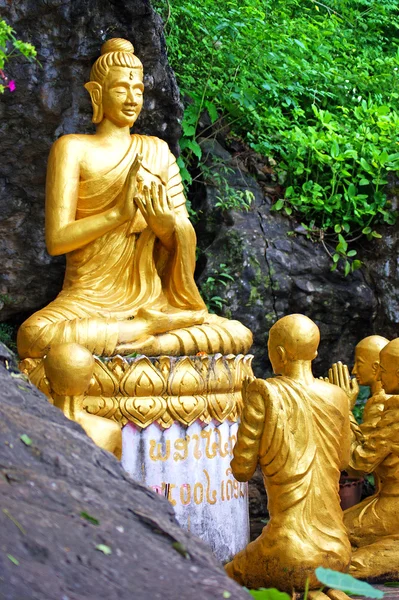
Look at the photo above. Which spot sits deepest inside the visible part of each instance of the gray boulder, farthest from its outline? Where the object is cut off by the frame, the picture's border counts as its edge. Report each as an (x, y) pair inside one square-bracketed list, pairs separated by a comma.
[(74, 526)]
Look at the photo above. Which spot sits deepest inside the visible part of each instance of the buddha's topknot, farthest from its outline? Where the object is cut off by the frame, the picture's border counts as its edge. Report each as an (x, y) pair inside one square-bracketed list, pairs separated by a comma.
[(117, 45), (115, 52)]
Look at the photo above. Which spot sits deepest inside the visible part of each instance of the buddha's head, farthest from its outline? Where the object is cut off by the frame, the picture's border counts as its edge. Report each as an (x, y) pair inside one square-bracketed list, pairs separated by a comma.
[(389, 367), (116, 84), (293, 338), (367, 359)]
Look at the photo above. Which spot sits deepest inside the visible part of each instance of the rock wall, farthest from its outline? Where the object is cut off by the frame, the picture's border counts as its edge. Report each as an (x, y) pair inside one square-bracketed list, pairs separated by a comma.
[(50, 101), (74, 526)]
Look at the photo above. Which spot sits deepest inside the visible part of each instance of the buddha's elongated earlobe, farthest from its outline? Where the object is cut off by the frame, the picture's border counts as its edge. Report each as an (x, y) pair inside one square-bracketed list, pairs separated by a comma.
[(96, 94)]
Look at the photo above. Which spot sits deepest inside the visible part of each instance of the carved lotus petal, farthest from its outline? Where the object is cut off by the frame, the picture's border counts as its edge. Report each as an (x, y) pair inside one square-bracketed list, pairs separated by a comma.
[(220, 406), (143, 411), (205, 417), (247, 365), (118, 366), (104, 382), (185, 380), (163, 364), (220, 378), (143, 379), (186, 409), (101, 406), (34, 369), (166, 420)]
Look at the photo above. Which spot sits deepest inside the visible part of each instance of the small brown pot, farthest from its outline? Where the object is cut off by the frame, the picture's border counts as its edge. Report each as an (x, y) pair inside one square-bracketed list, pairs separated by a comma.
[(350, 491)]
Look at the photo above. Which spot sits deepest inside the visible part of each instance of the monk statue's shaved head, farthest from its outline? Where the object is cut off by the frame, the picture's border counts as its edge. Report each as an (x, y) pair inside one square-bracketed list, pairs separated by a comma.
[(373, 344), (367, 360), (297, 335)]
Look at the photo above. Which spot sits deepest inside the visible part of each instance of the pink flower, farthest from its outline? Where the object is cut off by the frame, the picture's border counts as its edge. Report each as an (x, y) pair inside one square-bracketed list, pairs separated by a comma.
[(11, 86)]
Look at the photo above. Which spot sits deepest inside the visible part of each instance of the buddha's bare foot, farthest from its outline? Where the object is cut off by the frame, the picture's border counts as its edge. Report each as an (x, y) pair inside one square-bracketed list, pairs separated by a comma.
[(150, 322), (162, 322), (146, 346)]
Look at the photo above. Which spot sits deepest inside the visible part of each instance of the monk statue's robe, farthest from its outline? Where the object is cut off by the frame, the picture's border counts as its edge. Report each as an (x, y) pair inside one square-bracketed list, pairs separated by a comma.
[(301, 440), (127, 269), (373, 524)]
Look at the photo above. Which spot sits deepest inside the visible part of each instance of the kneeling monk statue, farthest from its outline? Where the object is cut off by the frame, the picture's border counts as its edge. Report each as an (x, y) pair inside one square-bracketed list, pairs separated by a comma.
[(115, 206), (297, 428)]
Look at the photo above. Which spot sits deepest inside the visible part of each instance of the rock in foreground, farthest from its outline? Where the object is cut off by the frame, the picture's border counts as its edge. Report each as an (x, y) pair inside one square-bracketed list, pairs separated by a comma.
[(74, 526)]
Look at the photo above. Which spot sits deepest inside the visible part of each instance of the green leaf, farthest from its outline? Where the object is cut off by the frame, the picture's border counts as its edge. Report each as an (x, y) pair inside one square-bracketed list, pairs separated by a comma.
[(226, 594), (25, 439), (356, 264), (278, 205), (181, 549), (352, 190), (347, 268), (383, 157), (342, 242), (88, 517), (391, 584), (383, 110), (346, 583), (366, 166), (375, 234), (212, 110), (364, 181), (104, 549), (12, 558), (366, 230), (335, 149), (351, 253), (268, 594)]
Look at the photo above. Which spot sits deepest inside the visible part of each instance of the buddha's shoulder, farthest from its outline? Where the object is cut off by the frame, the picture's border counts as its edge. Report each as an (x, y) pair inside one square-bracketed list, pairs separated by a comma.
[(151, 140), (73, 141)]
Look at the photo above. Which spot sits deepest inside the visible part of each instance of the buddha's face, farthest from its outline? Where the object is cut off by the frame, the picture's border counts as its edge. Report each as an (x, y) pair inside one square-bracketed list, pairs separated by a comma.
[(365, 368), (389, 372), (122, 95)]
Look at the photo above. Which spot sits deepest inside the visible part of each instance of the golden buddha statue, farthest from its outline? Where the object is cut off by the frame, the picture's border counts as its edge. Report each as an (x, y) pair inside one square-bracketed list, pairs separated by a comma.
[(373, 523), (297, 428), (115, 206)]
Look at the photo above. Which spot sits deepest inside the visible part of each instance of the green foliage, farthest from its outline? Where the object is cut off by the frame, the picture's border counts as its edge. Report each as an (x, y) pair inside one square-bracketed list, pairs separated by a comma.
[(358, 409), (10, 47), (209, 288), (228, 198), (313, 84), (346, 583), (8, 336)]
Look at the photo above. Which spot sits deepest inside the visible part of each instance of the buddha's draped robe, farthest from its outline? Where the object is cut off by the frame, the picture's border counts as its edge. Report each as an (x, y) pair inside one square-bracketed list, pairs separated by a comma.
[(373, 524), (112, 277), (301, 441)]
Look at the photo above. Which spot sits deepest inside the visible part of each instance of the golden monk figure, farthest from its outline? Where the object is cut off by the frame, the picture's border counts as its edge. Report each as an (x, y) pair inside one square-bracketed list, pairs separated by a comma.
[(297, 428), (367, 372), (115, 206), (373, 524)]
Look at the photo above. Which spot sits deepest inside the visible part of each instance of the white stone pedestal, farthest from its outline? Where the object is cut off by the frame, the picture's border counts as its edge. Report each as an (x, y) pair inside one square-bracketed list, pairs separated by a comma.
[(195, 462)]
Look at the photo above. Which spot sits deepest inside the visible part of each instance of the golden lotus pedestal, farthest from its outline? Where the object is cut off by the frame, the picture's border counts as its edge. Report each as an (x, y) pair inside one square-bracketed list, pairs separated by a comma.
[(179, 426)]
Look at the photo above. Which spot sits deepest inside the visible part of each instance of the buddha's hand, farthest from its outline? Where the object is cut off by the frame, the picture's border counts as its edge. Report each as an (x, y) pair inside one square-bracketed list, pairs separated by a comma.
[(126, 207), (339, 375), (159, 213)]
